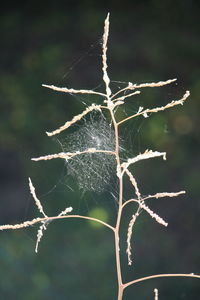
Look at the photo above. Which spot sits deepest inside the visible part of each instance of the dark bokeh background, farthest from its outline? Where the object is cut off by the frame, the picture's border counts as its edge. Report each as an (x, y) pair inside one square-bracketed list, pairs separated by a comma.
[(59, 43)]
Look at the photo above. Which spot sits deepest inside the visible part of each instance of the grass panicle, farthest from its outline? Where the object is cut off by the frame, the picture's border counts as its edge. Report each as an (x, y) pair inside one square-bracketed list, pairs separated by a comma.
[(110, 102)]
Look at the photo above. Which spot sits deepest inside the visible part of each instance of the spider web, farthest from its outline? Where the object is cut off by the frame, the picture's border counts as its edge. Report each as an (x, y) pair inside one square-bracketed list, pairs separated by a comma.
[(92, 171), (96, 172)]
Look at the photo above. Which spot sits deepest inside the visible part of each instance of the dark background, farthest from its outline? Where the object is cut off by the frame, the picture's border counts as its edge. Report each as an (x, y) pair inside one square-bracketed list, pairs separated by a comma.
[(60, 43)]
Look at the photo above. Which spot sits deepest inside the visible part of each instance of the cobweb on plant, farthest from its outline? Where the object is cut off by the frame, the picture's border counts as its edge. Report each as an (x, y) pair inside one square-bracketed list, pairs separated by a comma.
[(94, 172)]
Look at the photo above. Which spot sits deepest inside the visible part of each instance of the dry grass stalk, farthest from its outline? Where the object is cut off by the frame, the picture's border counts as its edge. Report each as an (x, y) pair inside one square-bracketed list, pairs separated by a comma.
[(152, 214), (112, 101), (43, 220), (132, 86), (21, 225), (75, 119), (72, 91), (157, 109), (134, 183), (106, 79), (122, 98), (152, 84), (45, 223), (40, 235), (128, 240), (164, 194), (69, 155), (37, 201), (146, 155)]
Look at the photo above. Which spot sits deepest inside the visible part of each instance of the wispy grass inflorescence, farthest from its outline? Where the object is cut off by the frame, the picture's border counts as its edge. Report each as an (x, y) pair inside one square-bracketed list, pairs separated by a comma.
[(110, 102)]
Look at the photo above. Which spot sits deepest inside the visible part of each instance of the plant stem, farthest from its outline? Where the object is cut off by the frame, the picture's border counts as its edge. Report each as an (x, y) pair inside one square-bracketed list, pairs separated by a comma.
[(159, 276), (117, 249), (120, 207)]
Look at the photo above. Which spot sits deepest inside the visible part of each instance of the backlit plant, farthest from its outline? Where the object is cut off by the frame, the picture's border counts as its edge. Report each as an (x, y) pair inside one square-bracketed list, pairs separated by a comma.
[(98, 152)]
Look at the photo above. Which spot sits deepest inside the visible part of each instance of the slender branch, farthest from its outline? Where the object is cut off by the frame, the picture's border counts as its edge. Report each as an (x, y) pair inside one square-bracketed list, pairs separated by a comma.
[(38, 220), (75, 119), (106, 79), (69, 155), (152, 110), (126, 96), (146, 155), (152, 84), (129, 201), (165, 194), (22, 225), (90, 219), (128, 240), (134, 183), (37, 201), (72, 91), (152, 214), (157, 196), (130, 232), (132, 86), (192, 275)]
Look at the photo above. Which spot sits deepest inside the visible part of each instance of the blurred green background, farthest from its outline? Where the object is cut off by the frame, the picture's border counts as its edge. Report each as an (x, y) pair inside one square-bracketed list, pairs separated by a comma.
[(60, 43)]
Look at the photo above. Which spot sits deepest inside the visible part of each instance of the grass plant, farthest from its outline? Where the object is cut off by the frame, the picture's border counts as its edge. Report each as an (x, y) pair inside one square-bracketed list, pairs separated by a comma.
[(110, 103)]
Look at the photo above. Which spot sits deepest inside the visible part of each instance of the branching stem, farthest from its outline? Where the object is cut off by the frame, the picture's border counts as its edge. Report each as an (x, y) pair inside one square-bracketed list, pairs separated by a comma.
[(112, 101)]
